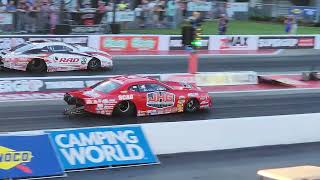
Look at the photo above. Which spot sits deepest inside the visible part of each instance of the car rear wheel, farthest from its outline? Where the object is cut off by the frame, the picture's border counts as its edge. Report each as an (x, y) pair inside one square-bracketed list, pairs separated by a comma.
[(94, 65), (192, 105), (125, 108), (37, 66)]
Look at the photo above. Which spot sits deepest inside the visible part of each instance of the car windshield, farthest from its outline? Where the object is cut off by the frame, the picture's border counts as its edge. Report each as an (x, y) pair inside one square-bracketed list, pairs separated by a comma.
[(106, 86), (23, 47)]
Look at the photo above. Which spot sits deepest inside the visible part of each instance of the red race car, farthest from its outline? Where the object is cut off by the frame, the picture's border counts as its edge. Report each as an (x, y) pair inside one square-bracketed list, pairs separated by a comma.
[(137, 95)]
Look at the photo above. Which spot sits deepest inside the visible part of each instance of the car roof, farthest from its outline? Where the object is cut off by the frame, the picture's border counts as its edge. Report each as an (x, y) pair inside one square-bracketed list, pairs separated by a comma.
[(131, 79)]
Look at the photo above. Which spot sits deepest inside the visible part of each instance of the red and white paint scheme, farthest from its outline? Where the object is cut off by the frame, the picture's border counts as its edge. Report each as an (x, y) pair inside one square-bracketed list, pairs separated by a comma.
[(51, 56), (137, 95)]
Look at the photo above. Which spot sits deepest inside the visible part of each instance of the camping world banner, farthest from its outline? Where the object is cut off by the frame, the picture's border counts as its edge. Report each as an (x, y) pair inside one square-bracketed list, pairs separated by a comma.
[(102, 147)]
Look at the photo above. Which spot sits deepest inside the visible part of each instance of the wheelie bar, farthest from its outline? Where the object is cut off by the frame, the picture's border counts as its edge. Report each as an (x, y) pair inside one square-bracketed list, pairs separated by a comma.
[(73, 110)]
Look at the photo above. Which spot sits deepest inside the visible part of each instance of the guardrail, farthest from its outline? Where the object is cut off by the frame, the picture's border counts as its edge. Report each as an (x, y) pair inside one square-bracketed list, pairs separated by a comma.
[(134, 43)]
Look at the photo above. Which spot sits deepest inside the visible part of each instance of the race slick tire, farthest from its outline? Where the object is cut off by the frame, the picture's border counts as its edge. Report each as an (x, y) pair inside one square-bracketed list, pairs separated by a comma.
[(94, 65), (192, 105), (37, 66), (124, 108)]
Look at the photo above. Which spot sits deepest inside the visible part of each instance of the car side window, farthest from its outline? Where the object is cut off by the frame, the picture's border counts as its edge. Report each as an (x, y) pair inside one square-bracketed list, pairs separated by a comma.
[(134, 88), (59, 48), (151, 87)]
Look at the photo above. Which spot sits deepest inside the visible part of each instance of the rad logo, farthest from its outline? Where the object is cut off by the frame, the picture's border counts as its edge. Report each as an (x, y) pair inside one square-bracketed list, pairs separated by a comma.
[(69, 60), (10, 158), (20, 86)]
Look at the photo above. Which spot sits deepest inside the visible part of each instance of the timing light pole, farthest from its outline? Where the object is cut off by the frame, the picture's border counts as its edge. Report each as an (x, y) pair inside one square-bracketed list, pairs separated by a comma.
[(191, 39)]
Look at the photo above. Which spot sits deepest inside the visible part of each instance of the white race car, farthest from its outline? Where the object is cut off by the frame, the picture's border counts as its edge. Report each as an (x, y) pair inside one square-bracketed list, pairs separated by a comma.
[(50, 56)]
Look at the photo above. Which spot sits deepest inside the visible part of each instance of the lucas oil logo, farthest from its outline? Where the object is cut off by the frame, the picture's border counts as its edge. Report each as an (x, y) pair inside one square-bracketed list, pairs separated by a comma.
[(10, 158), (160, 99)]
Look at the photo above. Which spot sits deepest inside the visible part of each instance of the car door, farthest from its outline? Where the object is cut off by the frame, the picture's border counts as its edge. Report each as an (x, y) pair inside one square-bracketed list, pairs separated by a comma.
[(157, 99), (64, 58)]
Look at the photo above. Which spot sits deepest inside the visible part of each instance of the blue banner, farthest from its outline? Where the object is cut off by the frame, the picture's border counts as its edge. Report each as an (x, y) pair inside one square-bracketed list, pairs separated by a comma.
[(28, 156), (102, 147)]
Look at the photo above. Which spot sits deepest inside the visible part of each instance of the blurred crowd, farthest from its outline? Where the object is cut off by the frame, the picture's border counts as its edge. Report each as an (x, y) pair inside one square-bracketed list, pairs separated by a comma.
[(32, 16)]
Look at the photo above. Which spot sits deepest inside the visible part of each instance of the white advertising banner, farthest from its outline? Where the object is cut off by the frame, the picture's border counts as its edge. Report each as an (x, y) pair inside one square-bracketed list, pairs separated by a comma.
[(6, 18), (121, 16), (317, 46), (226, 78), (199, 6), (237, 7), (233, 42)]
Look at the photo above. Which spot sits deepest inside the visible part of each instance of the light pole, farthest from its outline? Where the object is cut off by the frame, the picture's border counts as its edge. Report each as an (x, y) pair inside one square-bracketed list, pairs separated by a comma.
[(115, 27)]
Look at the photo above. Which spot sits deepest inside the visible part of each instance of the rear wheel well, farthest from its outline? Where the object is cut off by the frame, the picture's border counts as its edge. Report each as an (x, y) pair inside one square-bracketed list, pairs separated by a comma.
[(132, 104), (36, 60)]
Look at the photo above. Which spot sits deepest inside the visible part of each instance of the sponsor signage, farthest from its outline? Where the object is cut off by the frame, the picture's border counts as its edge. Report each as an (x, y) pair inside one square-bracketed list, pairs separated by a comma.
[(286, 42), (7, 42), (102, 147), (305, 12), (89, 29), (129, 43), (233, 43), (199, 6), (121, 16), (226, 78), (48, 84), (6, 18), (176, 43), (28, 156)]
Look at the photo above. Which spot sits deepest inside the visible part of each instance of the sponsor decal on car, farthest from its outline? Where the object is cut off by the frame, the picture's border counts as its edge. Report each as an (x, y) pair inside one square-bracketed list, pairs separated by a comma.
[(69, 60), (125, 97), (160, 99)]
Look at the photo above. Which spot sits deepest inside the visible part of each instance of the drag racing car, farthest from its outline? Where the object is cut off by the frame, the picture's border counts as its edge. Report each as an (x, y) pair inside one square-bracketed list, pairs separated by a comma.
[(50, 56), (137, 95)]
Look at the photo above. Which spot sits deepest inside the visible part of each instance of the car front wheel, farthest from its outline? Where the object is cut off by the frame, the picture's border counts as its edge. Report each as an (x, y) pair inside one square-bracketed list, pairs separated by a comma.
[(94, 65), (192, 105)]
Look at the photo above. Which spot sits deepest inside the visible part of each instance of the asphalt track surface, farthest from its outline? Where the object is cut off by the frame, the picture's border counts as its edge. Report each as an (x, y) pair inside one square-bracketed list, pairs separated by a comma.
[(178, 64), (19, 116), (216, 165)]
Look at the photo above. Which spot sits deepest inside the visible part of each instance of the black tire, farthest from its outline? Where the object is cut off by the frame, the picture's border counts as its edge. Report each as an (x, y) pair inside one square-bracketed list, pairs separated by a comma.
[(125, 108), (192, 105), (37, 66), (94, 64)]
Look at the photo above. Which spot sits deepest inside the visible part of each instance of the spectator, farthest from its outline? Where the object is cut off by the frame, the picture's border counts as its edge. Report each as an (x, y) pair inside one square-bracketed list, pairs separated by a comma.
[(2, 7), (53, 15), (287, 24), (11, 7), (101, 10), (33, 12), (122, 6), (171, 10), (222, 24), (139, 13), (21, 16), (294, 25), (44, 16)]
